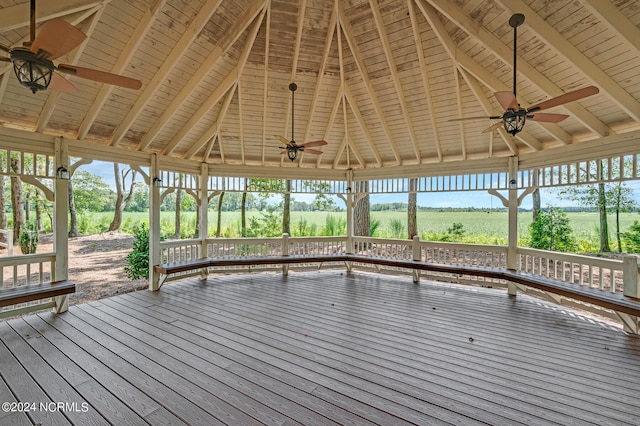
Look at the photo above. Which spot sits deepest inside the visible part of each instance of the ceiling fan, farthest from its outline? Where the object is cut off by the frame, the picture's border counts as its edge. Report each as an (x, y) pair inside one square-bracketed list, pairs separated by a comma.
[(514, 115), (33, 63), (291, 148)]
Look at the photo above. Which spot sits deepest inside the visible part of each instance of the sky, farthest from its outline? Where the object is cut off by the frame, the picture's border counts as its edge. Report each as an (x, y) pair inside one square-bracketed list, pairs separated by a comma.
[(478, 199)]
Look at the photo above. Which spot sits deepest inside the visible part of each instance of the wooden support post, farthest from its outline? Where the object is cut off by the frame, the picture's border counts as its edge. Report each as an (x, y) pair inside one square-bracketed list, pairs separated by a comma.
[(512, 250), (154, 223), (417, 256), (632, 289), (61, 225), (285, 252), (204, 216)]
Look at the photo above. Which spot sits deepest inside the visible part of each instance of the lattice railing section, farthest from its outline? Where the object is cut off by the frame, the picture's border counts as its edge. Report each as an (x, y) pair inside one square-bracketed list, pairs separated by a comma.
[(22, 163), (296, 186), (26, 270), (179, 180), (460, 182), (605, 274), (612, 169)]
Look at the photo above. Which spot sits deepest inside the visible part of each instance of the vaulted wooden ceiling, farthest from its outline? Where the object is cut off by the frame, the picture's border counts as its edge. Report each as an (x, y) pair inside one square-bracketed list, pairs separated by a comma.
[(379, 80)]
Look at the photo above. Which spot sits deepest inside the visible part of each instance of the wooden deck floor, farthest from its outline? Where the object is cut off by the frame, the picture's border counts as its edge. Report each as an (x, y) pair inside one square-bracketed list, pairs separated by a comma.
[(318, 348)]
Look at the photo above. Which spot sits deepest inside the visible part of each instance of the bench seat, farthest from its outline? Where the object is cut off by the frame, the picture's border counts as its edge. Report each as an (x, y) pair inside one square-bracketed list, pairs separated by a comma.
[(614, 301), (13, 296)]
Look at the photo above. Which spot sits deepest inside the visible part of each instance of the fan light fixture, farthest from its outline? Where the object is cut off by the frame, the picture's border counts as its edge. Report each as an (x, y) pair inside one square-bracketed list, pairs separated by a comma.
[(157, 182), (292, 153), (514, 123), (32, 71)]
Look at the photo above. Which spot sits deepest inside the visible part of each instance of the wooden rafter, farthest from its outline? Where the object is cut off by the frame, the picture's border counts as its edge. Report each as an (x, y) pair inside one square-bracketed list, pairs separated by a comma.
[(425, 79), (230, 80), (332, 117), (54, 95), (17, 16), (460, 111), (241, 121), (265, 83), (388, 52), (505, 53), (564, 48), (123, 59), (353, 47), (616, 21), (360, 119), (168, 65)]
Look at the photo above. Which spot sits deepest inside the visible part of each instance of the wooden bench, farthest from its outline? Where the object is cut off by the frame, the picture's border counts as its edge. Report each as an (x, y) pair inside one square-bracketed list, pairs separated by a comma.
[(614, 301), (29, 293)]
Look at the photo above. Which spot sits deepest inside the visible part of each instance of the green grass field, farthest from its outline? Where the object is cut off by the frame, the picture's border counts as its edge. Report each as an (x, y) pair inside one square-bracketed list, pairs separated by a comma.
[(479, 227)]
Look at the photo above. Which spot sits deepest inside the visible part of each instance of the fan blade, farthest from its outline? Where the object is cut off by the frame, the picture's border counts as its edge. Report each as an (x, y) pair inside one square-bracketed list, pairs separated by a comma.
[(493, 117), (57, 38), (311, 151), (283, 152), (493, 127), (5, 60), (314, 143), (548, 118), (282, 139), (507, 100), (564, 99), (61, 84), (5, 48), (100, 76)]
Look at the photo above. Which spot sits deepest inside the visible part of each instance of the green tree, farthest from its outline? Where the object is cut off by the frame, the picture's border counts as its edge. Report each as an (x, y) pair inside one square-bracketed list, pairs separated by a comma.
[(551, 231), (138, 260), (91, 192)]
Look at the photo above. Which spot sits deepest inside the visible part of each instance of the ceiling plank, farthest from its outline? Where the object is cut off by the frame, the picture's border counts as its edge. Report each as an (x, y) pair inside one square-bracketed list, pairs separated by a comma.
[(353, 47), (124, 58), (564, 48), (17, 16), (505, 53), (169, 63), (241, 122), (360, 119), (460, 112), (388, 51), (230, 80), (425, 79), (265, 84), (205, 68), (332, 117), (616, 21)]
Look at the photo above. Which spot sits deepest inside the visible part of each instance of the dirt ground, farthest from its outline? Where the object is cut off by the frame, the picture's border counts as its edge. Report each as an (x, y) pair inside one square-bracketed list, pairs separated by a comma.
[(96, 265)]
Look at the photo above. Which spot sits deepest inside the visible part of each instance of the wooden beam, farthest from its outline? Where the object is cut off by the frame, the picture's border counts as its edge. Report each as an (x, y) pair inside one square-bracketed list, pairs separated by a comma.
[(17, 16), (388, 52), (616, 21), (54, 95), (230, 80), (124, 58), (425, 80), (505, 53), (564, 48), (205, 68), (332, 117), (241, 121), (353, 47), (460, 111), (360, 119), (188, 37), (332, 28), (265, 83)]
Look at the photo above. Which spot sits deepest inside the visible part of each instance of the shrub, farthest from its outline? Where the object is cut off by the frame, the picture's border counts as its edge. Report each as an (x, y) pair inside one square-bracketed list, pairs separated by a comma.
[(551, 231), (28, 239), (631, 238), (397, 228), (138, 260)]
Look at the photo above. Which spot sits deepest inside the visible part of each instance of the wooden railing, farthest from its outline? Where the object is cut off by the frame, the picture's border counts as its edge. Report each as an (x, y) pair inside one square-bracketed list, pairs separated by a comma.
[(590, 271), (26, 270)]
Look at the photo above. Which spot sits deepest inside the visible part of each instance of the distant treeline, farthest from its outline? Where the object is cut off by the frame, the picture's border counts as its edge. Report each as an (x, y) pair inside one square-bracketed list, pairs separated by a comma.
[(400, 207)]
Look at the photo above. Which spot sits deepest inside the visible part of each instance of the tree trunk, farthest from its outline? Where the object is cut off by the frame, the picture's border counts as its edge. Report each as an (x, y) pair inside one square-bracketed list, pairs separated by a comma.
[(286, 209), (3, 206), (196, 233), (604, 226), (536, 204), (177, 219), (121, 199), (361, 213), (73, 217), (17, 201), (243, 215), (38, 207), (27, 207), (618, 201), (412, 209), (219, 225)]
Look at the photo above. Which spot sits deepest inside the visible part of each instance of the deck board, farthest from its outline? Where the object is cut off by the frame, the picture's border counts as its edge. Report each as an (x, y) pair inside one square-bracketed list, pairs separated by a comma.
[(321, 348)]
